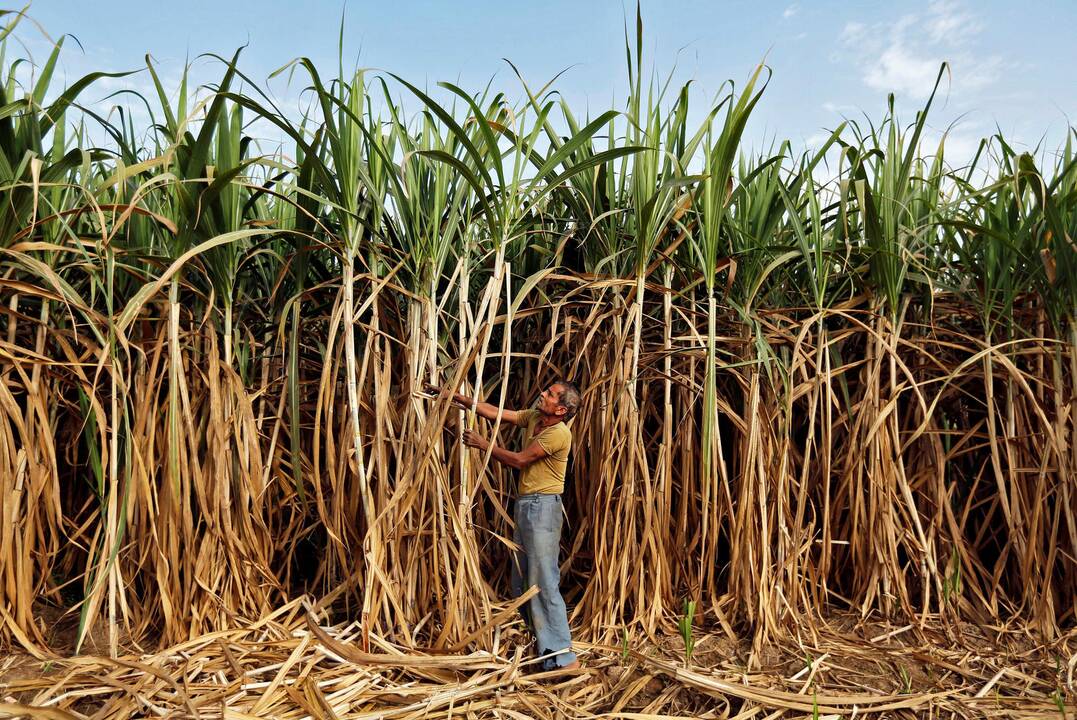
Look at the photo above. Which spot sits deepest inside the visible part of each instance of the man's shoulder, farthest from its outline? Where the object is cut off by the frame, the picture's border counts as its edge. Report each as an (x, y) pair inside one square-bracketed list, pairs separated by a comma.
[(526, 418)]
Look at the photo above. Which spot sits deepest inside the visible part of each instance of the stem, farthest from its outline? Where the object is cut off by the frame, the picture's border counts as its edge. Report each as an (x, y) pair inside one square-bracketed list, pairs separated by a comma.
[(709, 412), (292, 390), (637, 336), (666, 475), (461, 335), (228, 334), (357, 440)]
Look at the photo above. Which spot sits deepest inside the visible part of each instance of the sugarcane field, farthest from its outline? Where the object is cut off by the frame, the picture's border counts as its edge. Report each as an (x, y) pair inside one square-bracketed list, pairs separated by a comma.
[(488, 401)]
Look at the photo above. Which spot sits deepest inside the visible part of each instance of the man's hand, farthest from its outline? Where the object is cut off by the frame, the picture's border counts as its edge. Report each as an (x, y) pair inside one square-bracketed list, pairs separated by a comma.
[(518, 460), (459, 400), (473, 439)]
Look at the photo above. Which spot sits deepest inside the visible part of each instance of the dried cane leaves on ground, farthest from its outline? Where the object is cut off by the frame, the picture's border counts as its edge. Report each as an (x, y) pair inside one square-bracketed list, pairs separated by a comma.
[(292, 665)]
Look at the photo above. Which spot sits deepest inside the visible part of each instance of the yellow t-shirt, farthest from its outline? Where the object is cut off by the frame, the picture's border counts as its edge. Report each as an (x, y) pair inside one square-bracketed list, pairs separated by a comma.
[(546, 475)]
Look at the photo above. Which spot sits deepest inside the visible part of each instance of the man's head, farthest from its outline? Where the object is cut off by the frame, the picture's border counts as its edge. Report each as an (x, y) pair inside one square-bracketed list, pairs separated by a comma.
[(561, 399)]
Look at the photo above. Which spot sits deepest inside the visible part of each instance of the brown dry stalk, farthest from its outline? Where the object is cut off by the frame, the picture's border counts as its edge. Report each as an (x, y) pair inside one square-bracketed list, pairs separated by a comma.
[(885, 469)]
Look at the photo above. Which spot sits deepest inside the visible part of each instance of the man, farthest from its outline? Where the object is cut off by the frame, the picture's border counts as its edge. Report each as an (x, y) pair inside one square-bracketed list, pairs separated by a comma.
[(538, 511)]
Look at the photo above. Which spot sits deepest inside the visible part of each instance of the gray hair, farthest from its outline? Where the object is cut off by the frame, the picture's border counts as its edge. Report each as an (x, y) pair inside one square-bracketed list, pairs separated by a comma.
[(569, 398)]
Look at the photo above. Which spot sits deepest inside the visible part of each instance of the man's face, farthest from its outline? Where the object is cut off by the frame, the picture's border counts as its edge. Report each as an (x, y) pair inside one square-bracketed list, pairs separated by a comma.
[(550, 401)]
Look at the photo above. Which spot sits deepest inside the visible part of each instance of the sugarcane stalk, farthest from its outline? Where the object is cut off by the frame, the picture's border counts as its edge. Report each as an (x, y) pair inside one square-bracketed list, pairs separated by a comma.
[(357, 442)]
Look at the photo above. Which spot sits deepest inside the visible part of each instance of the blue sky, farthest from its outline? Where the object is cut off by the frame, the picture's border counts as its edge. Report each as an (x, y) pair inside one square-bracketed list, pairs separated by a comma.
[(1012, 63)]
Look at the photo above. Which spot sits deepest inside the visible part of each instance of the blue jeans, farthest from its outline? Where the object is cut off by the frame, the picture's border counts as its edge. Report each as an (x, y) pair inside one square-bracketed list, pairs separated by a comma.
[(538, 533)]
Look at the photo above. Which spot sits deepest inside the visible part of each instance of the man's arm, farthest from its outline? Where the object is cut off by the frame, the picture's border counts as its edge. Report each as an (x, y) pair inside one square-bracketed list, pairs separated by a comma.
[(489, 411), (484, 409), (519, 460)]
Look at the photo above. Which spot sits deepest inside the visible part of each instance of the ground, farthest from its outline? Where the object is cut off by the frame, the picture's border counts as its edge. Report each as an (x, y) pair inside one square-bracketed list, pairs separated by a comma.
[(293, 666)]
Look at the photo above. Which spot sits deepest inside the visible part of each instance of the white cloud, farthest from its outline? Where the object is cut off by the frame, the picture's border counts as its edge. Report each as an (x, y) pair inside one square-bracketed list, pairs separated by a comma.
[(959, 141), (979, 72), (948, 22), (905, 56), (902, 71), (853, 31), (791, 11), (841, 109)]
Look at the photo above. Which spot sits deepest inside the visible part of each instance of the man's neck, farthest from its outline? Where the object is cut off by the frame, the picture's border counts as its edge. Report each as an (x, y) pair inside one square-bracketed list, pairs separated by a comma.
[(546, 421)]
